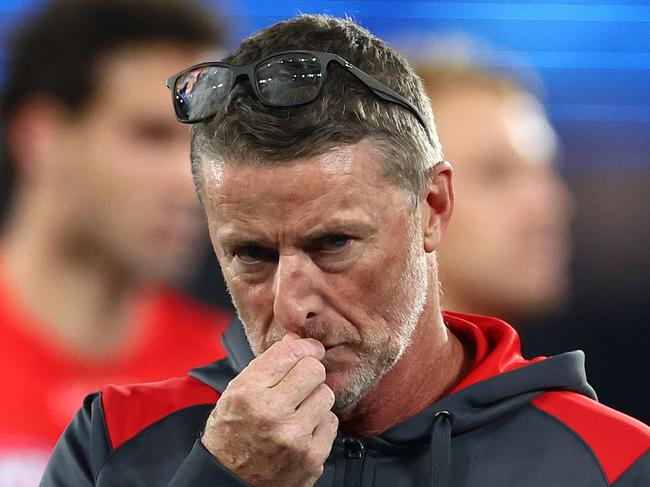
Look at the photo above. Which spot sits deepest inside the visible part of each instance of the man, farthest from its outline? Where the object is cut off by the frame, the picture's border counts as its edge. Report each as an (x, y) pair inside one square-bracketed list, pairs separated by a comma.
[(505, 252), (326, 195), (103, 213)]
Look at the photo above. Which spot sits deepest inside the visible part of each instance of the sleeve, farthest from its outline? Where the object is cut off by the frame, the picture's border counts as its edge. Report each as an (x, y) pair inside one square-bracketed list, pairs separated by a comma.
[(81, 450), (202, 469), (84, 448)]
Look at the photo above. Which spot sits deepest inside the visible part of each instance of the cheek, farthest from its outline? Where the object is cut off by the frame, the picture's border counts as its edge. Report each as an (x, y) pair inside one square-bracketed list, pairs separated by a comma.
[(254, 301), (373, 289)]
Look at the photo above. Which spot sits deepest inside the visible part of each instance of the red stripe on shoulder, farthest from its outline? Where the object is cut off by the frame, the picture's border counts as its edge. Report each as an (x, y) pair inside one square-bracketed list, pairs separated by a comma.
[(617, 440), (130, 409)]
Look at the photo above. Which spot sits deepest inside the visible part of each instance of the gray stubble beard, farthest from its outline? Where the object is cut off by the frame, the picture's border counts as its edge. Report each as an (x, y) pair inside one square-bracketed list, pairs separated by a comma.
[(374, 367)]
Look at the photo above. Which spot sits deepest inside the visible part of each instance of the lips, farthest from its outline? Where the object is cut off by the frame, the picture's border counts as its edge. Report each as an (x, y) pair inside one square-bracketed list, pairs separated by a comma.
[(337, 347)]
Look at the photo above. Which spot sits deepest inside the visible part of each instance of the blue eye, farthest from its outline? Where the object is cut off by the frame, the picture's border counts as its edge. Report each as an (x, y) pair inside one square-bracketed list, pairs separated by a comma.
[(252, 254), (334, 242)]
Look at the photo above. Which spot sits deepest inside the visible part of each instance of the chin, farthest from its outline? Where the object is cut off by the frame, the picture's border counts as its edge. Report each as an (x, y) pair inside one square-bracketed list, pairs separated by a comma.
[(350, 387), (346, 400)]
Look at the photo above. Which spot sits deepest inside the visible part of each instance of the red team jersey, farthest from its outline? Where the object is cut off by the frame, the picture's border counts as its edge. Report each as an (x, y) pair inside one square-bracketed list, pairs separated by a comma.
[(43, 383)]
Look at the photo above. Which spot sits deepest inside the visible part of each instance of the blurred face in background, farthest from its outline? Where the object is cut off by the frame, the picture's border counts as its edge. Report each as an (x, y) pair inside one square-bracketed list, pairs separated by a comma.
[(122, 166), (506, 249)]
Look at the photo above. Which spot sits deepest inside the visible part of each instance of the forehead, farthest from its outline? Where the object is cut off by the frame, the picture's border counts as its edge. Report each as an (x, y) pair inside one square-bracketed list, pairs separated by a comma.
[(345, 183), (133, 77)]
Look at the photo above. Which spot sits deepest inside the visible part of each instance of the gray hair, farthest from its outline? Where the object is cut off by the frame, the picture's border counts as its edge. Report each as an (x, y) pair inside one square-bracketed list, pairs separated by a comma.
[(244, 131)]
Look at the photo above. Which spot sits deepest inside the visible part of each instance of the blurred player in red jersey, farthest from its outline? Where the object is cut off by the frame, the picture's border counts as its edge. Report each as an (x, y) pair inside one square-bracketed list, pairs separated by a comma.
[(102, 214)]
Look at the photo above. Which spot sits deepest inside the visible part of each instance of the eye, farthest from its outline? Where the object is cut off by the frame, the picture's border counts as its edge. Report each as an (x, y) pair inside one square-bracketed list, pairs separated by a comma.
[(253, 254), (333, 243)]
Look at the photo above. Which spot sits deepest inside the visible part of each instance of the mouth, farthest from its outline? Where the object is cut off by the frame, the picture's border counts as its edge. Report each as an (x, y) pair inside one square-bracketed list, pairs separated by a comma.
[(339, 351)]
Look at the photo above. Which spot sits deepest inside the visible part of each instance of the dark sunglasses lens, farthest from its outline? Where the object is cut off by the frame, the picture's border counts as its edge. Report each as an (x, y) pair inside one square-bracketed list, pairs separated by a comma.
[(199, 93), (289, 79)]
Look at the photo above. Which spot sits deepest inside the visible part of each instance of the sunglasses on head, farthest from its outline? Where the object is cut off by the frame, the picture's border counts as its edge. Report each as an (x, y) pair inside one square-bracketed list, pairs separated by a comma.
[(285, 79)]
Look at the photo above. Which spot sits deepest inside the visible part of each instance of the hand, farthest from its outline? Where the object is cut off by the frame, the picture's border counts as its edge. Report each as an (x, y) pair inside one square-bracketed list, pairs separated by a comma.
[(273, 425)]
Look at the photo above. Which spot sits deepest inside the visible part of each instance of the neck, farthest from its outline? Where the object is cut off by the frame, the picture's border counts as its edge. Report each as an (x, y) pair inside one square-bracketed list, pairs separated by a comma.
[(434, 363), (77, 293)]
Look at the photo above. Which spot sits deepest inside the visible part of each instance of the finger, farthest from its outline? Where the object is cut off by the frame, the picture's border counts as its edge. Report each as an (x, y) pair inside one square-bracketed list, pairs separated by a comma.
[(272, 366), (321, 443), (325, 433), (316, 407), (301, 381)]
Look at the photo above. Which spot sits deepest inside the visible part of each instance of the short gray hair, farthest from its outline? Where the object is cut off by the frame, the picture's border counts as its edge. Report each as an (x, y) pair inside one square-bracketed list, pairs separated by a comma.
[(244, 131)]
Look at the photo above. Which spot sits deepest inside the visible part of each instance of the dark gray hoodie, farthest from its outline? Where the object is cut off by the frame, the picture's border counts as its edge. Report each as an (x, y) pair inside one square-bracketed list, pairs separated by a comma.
[(510, 422)]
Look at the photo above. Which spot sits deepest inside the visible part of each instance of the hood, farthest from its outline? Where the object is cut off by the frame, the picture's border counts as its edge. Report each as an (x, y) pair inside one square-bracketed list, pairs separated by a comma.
[(501, 380)]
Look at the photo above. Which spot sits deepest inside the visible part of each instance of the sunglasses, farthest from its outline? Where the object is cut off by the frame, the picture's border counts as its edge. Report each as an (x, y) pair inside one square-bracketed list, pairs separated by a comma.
[(285, 79)]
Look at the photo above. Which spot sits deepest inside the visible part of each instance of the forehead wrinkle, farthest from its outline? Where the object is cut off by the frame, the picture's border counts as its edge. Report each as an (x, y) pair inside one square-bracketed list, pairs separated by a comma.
[(303, 229), (238, 225), (314, 192), (300, 197)]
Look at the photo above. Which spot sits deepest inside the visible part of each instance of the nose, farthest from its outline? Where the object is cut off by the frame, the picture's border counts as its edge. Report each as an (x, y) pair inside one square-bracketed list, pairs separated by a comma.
[(296, 299)]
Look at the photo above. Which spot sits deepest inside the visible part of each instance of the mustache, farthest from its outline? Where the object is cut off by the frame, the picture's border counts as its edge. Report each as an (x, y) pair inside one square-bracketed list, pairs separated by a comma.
[(321, 331)]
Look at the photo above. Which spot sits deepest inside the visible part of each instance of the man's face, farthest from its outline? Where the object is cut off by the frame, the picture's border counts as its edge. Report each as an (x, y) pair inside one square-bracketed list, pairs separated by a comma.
[(322, 247), (126, 169), (506, 248)]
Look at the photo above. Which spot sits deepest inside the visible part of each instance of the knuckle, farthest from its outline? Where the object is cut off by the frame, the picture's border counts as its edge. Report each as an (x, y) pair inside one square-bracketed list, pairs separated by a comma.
[(314, 368), (235, 396), (333, 421), (314, 461), (288, 437), (328, 394), (320, 470), (293, 349)]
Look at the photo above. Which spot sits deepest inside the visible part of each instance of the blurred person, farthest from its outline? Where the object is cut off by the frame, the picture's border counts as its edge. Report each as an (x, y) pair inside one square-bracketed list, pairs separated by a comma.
[(102, 215), (513, 208), (506, 250), (327, 195)]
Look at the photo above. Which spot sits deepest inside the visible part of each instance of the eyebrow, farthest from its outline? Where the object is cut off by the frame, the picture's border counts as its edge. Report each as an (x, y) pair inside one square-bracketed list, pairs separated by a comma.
[(357, 228), (235, 239), (231, 237)]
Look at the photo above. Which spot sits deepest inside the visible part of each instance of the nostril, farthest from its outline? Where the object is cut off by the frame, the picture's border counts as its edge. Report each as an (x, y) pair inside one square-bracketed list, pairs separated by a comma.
[(311, 315)]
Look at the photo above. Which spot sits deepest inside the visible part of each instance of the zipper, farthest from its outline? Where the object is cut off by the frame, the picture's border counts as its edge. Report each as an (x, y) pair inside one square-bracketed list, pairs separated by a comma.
[(354, 452)]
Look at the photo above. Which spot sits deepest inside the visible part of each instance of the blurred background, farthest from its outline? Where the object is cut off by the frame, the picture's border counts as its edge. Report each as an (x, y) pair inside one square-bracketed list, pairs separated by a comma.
[(590, 62)]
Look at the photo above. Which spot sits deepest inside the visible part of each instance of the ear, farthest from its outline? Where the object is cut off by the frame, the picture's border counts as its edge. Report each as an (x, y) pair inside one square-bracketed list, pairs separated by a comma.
[(437, 204), (32, 134)]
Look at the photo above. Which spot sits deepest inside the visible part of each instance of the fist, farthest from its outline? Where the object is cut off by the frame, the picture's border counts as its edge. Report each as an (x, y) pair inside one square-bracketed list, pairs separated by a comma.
[(273, 425)]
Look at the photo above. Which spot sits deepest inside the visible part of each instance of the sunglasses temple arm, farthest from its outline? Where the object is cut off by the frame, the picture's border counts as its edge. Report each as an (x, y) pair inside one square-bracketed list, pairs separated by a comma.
[(386, 93), (388, 96)]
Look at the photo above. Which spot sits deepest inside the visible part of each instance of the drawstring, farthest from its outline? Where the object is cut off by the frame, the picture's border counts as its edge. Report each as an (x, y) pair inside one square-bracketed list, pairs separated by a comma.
[(440, 448)]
